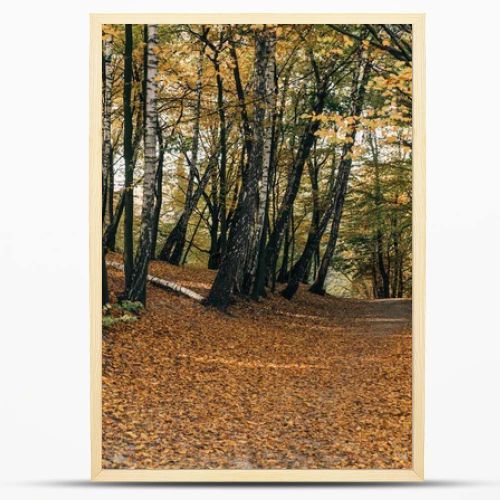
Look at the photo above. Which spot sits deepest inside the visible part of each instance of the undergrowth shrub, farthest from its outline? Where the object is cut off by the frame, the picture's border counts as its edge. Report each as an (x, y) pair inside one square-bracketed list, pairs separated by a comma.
[(120, 312)]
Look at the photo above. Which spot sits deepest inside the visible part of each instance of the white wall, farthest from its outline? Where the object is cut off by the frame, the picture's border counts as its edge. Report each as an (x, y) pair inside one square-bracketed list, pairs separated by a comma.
[(44, 448)]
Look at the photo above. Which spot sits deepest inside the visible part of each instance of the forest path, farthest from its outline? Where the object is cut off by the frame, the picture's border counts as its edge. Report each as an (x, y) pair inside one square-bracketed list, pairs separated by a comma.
[(313, 382)]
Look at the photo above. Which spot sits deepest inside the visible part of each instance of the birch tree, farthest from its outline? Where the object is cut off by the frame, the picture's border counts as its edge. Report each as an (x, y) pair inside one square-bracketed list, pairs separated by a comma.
[(107, 156), (107, 80), (137, 290)]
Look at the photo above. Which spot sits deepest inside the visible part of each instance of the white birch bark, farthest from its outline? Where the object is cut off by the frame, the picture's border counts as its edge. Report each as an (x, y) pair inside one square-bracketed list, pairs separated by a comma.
[(161, 283), (138, 287), (107, 160), (196, 126), (150, 137), (270, 107)]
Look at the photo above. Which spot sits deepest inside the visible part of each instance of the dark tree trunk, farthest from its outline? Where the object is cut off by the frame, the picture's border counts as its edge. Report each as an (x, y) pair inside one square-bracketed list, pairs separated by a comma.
[(247, 132), (316, 262), (173, 247), (191, 241), (375, 286), (213, 205), (399, 293), (312, 265), (342, 180), (128, 153), (303, 265), (222, 163), (274, 242), (214, 255), (379, 243), (283, 272), (110, 199), (112, 227), (340, 190), (319, 284), (395, 246), (384, 288), (300, 268), (230, 273), (104, 277), (306, 143), (158, 190)]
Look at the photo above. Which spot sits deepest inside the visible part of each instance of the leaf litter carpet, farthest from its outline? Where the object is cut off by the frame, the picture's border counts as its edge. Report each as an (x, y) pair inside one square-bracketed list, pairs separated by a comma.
[(312, 383)]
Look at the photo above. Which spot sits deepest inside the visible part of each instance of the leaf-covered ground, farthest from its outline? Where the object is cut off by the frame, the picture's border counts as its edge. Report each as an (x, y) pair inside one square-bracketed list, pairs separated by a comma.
[(317, 382)]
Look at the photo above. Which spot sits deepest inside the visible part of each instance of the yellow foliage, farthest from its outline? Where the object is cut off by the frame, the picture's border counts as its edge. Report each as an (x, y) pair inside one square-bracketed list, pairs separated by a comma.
[(348, 41)]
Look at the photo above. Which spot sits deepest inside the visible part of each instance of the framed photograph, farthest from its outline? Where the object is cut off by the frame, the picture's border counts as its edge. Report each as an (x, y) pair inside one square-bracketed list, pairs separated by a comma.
[(257, 247)]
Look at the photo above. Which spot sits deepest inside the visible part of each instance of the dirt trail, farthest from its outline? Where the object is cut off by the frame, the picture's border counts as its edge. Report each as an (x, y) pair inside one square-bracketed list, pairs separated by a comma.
[(316, 382)]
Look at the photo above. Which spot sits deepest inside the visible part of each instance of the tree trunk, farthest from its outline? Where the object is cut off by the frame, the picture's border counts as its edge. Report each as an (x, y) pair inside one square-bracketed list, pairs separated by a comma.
[(174, 244), (283, 272), (230, 273), (158, 188), (110, 235), (128, 153), (379, 243), (303, 265), (342, 181), (222, 162), (213, 205), (107, 155), (165, 284), (104, 277), (319, 284), (300, 268), (110, 200), (137, 291), (399, 293), (306, 143), (191, 241), (112, 227), (247, 132), (257, 271), (107, 159)]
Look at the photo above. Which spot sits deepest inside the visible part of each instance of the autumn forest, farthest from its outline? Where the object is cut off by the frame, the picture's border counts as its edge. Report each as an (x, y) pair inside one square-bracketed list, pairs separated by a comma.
[(257, 246)]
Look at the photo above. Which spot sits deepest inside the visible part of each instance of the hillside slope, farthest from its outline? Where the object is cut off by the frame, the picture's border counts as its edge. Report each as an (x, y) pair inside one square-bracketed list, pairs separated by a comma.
[(316, 382)]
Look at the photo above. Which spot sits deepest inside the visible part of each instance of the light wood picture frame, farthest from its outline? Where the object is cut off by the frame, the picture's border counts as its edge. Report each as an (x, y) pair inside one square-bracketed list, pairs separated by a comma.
[(419, 248)]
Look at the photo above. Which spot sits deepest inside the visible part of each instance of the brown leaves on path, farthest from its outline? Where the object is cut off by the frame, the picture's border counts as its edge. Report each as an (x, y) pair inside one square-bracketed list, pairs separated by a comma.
[(312, 383)]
